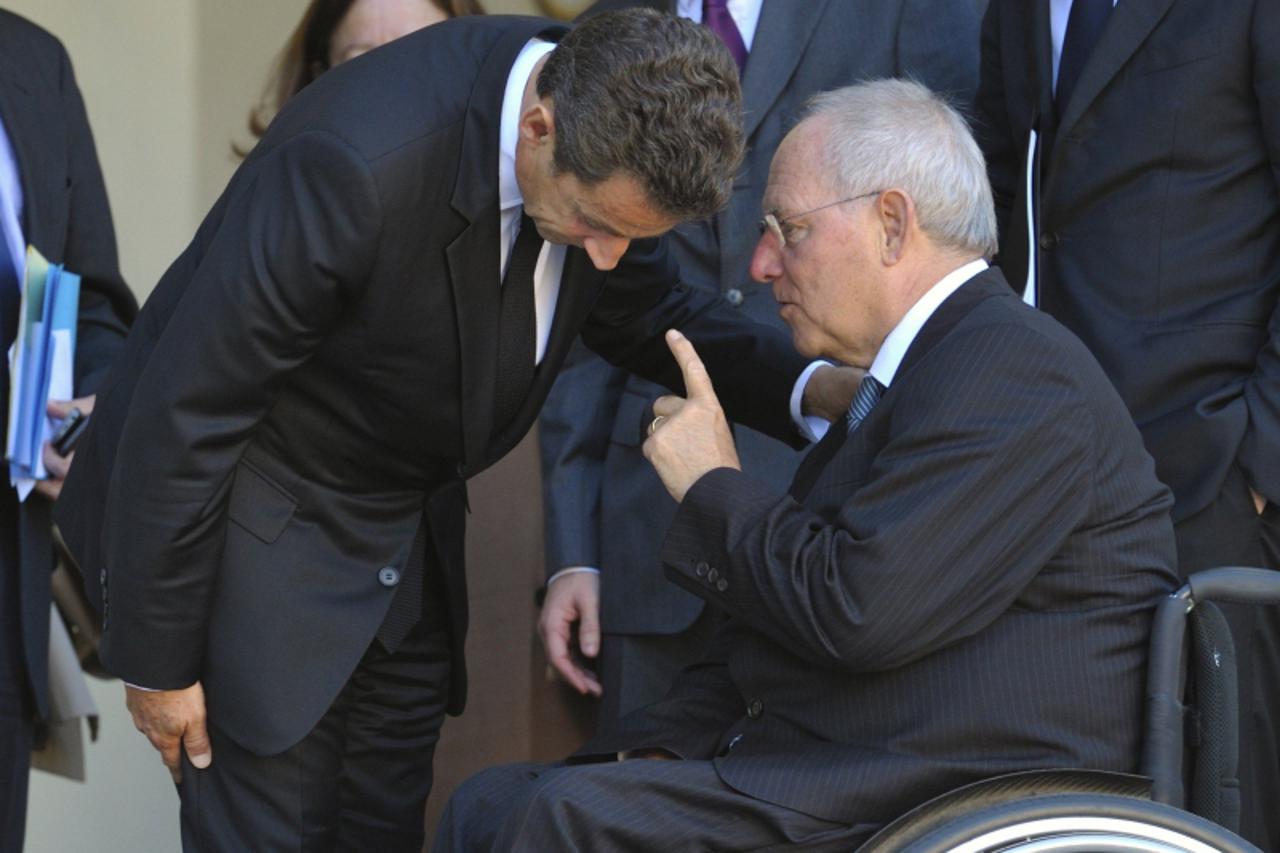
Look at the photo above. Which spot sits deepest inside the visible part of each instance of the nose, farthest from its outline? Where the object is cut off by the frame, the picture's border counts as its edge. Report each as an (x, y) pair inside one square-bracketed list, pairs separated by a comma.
[(605, 252), (766, 260)]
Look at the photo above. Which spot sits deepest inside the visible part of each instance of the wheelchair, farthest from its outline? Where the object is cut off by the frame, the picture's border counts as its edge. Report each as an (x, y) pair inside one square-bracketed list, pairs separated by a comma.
[(1186, 799)]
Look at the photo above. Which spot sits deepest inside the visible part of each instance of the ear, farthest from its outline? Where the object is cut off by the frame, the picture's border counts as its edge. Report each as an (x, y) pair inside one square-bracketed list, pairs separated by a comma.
[(896, 213), (538, 124)]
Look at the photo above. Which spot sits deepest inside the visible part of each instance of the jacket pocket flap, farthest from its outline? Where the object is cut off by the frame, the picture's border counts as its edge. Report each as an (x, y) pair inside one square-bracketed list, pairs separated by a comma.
[(258, 505)]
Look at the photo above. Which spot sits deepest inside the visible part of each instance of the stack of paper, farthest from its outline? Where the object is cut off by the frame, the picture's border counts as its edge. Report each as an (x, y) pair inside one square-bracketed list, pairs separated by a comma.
[(40, 365)]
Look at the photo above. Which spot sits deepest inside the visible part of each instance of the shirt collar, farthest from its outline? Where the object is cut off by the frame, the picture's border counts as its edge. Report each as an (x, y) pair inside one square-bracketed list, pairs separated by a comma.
[(508, 188), (895, 346)]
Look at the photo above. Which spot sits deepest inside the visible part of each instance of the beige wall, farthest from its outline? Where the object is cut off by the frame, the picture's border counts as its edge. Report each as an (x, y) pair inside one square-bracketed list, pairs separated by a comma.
[(168, 84)]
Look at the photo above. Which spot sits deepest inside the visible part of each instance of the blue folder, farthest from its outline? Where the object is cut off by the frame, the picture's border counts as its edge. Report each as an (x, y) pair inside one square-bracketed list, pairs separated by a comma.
[(40, 364)]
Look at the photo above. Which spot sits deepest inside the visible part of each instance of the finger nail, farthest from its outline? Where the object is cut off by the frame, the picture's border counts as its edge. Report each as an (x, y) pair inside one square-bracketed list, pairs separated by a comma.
[(589, 648), (201, 761)]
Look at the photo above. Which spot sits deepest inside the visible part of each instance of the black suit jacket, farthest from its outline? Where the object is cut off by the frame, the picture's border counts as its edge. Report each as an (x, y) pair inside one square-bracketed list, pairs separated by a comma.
[(589, 430), (66, 217), (961, 588), (315, 376), (1158, 235)]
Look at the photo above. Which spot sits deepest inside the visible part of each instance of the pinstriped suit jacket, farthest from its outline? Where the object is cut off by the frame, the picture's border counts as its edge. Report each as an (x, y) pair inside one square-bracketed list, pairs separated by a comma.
[(960, 588)]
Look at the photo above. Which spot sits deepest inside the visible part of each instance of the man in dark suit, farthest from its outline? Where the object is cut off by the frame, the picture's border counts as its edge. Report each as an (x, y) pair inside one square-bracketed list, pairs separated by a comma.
[(588, 429), (959, 583), (51, 197), (1148, 132), (284, 446)]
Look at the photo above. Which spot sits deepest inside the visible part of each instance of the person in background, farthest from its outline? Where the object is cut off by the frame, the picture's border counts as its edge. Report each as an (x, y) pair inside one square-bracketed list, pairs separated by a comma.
[(959, 582), (333, 31), (606, 510), (53, 198), (1148, 135)]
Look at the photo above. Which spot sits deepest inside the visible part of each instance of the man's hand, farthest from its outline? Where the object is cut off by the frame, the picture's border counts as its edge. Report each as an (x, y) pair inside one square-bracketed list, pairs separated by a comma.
[(1259, 502), (59, 465), (172, 720), (572, 598), (830, 391), (689, 437)]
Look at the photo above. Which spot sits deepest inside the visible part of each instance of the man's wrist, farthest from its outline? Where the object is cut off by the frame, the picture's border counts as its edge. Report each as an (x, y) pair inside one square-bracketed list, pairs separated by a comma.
[(812, 427)]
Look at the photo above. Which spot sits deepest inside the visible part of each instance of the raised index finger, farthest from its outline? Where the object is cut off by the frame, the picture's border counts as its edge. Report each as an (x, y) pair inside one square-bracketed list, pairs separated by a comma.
[(697, 383)]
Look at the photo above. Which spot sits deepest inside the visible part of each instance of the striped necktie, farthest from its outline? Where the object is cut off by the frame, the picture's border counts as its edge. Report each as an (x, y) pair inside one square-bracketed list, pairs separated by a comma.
[(864, 401)]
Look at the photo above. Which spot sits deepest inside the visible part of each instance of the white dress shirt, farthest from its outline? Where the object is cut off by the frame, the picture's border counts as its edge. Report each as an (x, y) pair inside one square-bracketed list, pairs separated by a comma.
[(11, 205), (889, 358)]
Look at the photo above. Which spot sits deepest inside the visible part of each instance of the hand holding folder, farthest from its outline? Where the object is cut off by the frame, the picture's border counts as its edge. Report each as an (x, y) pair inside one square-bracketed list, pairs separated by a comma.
[(41, 365)]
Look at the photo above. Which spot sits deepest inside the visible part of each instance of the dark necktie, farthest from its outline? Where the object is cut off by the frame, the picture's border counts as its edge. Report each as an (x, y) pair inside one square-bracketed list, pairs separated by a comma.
[(864, 401), (1084, 26), (517, 326), (715, 14)]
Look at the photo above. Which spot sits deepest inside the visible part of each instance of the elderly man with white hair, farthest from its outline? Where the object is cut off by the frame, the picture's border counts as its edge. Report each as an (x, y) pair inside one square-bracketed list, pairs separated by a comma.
[(958, 583)]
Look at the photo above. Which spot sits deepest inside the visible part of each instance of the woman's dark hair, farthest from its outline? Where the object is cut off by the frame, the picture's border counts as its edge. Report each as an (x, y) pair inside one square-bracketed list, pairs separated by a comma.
[(306, 55)]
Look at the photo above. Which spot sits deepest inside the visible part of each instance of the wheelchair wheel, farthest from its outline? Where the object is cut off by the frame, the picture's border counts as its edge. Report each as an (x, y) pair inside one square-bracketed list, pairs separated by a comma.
[(1075, 823)]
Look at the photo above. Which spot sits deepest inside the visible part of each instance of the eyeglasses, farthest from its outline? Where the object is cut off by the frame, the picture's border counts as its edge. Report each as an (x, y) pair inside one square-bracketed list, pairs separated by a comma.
[(785, 232)]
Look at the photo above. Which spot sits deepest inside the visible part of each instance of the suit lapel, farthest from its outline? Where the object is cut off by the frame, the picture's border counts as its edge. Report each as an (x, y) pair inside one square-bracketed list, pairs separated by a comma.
[(1041, 48), (781, 37), (22, 115), (472, 257), (1130, 24)]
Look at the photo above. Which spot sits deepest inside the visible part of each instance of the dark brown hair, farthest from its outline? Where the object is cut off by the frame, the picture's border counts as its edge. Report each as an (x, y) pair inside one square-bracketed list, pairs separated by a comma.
[(306, 54), (652, 96)]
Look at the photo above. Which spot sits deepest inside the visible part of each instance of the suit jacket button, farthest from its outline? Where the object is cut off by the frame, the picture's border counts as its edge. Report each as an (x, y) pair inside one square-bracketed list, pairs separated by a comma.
[(734, 296), (755, 709), (701, 569), (712, 575), (1048, 240), (722, 585), (389, 576)]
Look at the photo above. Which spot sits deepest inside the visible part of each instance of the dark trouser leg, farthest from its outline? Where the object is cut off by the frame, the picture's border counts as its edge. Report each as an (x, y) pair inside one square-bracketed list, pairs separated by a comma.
[(15, 707), (631, 805), (1229, 532), (636, 670), (15, 763), (358, 781), (397, 709), (1260, 727)]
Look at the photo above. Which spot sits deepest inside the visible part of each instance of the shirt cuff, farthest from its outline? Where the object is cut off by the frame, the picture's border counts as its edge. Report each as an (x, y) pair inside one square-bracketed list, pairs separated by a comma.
[(811, 427), (143, 689), (572, 570)]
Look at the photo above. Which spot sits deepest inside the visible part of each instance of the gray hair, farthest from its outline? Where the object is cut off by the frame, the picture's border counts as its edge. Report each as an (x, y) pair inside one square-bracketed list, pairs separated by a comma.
[(897, 133)]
